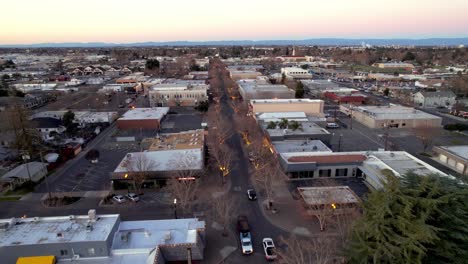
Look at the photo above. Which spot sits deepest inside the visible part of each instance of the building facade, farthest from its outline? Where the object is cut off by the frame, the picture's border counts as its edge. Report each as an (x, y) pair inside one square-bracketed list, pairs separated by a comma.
[(308, 106), (177, 94)]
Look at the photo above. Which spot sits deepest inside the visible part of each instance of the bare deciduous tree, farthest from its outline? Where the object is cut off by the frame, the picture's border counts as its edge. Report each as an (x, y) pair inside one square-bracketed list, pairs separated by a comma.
[(184, 186), (426, 135), (319, 249), (139, 168), (223, 207)]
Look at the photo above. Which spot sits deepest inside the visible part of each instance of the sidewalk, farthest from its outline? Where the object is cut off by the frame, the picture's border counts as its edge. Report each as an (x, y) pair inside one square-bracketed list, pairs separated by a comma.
[(291, 215)]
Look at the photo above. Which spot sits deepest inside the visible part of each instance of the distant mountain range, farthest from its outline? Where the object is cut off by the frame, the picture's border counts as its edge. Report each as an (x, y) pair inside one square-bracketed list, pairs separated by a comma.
[(316, 41)]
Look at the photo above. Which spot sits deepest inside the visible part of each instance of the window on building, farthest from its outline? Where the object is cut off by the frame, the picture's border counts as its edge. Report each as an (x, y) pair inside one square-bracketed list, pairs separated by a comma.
[(63, 252), (341, 172), (91, 251), (325, 173)]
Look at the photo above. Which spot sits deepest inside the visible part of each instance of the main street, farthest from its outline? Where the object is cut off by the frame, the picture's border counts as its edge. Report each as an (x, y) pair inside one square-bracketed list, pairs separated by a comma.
[(241, 181)]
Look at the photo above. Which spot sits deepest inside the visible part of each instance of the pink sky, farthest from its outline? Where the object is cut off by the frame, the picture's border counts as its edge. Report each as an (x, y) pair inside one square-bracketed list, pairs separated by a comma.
[(32, 21)]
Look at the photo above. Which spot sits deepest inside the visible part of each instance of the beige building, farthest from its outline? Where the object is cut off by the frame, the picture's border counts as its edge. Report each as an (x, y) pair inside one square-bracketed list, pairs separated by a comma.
[(394, 65), (239, 75), (177, 94), (392, 116), (308, 106)]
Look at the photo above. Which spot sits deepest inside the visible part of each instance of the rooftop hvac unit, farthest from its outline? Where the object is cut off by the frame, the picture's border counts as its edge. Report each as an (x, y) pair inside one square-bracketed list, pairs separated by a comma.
[(4, 226), (92, 214), (167, 236)]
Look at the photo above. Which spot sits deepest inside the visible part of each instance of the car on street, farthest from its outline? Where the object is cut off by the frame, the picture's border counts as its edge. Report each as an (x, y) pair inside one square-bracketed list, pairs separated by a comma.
[(269, 248), (251, 194), (133, 197), (245, 237), (332, 125), (246, 243), (119, 198)]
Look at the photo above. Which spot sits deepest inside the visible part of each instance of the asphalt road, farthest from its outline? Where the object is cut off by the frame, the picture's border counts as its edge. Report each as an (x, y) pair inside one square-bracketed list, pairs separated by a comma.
[(240, 182)]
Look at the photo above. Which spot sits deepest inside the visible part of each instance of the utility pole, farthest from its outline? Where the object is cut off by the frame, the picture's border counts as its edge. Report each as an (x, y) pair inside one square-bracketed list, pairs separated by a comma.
[(26, 157), (45, 176), (339, 142), (189, 255), (351, 117)]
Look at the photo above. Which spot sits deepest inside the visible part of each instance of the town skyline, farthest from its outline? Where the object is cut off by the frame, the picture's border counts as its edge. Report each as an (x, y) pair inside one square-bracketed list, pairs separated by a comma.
[(205, 20)]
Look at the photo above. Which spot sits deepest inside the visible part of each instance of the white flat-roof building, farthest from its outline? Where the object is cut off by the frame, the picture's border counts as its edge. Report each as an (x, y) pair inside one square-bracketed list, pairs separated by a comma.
[(160, 165), (296, 73), (252, 89), (278, 116), (305, 131), (393, 116), (297, 146), (101, 239)]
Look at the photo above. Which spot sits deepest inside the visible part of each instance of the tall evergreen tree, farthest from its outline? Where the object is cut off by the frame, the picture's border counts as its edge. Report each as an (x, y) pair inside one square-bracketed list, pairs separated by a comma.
[(419, 219)]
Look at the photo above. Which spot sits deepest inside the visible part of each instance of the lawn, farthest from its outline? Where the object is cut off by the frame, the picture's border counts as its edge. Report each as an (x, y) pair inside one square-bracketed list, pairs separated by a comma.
[(9, 198)]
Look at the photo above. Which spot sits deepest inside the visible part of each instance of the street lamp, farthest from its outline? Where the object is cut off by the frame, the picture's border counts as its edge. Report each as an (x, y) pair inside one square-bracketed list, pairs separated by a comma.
[(175, 208)]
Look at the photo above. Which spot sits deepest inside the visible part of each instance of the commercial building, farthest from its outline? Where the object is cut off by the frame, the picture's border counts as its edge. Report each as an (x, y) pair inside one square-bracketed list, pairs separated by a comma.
[(435, 99), (251, 89), (394, 65), (160, 165), (301, 130), (373, 166), (345, 98), (308, 106), (299, 146), (167, 155), (177, 94), (102, 239), (142, 118), (296, 73), (391, 116), (453, 157), (239, 75), (191, 139)]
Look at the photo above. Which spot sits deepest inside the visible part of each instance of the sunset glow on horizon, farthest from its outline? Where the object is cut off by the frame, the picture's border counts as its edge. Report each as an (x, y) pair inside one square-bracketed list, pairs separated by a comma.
[(122, 21)]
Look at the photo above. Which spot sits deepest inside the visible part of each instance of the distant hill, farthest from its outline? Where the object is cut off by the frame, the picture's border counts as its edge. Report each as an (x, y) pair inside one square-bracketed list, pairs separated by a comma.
[(317, 41)]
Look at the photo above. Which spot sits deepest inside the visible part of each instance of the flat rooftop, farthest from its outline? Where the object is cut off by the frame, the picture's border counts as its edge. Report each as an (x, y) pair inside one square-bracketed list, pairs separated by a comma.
[(307, 128), (461, 151), (393, 112), (277, 116), (150, 234), (285, 101), (400, 162), (293, 146), (184, 140), (160, 161), (328, 195), (145, 113), (61, 229)]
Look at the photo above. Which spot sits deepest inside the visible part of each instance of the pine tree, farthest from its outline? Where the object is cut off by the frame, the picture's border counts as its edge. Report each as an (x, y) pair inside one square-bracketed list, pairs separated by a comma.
[(418, 219), (390, 232)]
